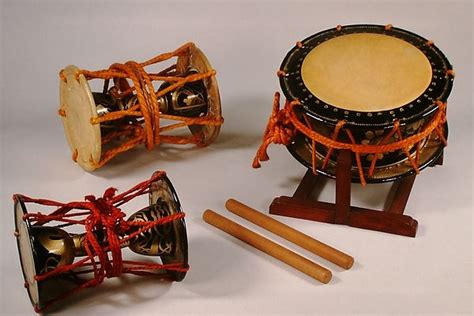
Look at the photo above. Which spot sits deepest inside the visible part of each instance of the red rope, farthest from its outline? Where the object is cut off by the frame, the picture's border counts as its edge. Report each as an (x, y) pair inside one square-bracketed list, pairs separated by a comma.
[(102, 214)]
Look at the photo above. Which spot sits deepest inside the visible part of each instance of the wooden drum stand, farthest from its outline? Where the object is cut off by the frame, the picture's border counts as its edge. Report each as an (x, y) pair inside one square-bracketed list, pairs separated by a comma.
[(390, 220)]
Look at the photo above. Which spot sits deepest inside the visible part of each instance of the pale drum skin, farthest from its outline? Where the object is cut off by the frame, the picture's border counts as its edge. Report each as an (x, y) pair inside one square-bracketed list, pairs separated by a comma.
[(366, 72)]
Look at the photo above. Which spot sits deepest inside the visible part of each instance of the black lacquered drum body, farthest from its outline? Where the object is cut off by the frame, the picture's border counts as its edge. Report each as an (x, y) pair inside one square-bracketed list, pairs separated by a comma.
[(369, 78)]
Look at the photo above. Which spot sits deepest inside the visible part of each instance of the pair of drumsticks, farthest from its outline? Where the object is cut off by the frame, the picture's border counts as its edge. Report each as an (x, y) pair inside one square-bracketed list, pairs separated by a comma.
[(275, 250)]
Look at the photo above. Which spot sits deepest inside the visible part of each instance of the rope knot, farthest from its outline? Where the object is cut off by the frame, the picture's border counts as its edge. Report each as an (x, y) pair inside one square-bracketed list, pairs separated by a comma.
[(107, 218), (109, 194), (280, 127), (279, 130)]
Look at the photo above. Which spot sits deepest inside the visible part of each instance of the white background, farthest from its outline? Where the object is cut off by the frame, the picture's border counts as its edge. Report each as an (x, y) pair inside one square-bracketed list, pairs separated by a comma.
[(246, 42)]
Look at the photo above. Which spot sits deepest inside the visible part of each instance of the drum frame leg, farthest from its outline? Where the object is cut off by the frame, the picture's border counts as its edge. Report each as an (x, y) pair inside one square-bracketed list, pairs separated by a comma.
[(390, 220)]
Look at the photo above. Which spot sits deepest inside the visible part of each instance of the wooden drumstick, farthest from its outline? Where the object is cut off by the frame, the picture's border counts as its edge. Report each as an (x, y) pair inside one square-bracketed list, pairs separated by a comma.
[(321, 249), (269, 247)]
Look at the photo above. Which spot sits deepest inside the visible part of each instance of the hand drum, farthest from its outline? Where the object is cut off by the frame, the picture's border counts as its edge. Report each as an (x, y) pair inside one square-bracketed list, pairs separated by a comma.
[(139, 107), (50, 254)]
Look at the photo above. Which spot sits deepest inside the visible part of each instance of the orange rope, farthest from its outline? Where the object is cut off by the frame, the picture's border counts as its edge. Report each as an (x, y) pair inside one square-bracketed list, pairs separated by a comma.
[(162, 57), (279, 130), (313, 150), (396, 126), (147, 106), (335, 135), (284, 123), (358, 162)]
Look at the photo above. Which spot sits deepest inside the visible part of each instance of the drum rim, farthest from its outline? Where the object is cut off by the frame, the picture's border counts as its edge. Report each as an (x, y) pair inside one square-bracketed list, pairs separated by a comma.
[(19, 202), (327, 113), (95, 151), (356, 179), (177, 276), (209, 132)]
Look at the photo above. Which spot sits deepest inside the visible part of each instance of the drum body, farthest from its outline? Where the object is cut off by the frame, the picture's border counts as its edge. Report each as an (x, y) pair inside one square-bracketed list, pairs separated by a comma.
[(57, 259), (179, 104), (368, 85)]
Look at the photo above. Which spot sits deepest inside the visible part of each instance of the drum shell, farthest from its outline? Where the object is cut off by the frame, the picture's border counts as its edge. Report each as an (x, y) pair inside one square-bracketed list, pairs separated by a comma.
[(321, 110), (371, 136), (390, 166)]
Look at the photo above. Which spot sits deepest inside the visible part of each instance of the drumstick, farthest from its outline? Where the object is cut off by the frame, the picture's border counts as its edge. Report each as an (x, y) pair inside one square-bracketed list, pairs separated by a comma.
[(269, 247), (321, 249)]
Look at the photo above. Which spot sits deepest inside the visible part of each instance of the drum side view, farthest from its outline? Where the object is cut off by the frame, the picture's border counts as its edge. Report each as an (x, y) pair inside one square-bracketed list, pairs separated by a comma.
[(163, 193), (26, 251), (377, 91), (364, 103), (133, 110), (84, 137), (57, 262)]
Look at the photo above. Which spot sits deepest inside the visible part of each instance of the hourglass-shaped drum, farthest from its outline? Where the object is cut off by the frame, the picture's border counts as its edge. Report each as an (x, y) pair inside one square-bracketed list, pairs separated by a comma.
[(137, 106), (56, 257)]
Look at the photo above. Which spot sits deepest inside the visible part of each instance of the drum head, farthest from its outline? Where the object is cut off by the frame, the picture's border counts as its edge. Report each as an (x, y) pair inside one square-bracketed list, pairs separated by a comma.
[(26, 251), (195, 60), (162, 191), (78, 104), (368, 75)]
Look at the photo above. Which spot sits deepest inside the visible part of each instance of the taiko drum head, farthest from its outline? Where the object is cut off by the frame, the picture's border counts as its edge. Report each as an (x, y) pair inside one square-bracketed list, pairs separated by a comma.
[(366, 72), (26, 250), (369, 76), (163, 192), (77, 103), (195, 60)]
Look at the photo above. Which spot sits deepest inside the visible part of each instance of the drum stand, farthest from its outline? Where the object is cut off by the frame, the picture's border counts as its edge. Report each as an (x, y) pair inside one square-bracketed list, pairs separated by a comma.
[(390, 220)]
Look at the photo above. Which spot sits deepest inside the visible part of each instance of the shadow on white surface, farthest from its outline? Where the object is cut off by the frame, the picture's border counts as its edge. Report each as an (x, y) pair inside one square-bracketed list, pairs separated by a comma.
[(118, 292), (211, 266), (230, 140), (250, 270), (421, 230), (232, 137)]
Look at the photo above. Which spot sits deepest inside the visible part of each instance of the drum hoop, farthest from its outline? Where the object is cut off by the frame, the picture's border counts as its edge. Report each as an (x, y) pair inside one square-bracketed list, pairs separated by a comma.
[(89, 157), (181, 223), (19, 201), (292, 84), (196, 56)]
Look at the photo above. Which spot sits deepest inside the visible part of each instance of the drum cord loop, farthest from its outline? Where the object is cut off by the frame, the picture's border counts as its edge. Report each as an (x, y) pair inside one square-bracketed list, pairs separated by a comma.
[(279, 130), (101, 214), (147, 105), (285, 123)]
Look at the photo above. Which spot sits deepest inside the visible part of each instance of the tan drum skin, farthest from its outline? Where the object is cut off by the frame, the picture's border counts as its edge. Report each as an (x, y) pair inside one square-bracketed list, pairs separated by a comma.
[(366, 72), (79, 107)]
